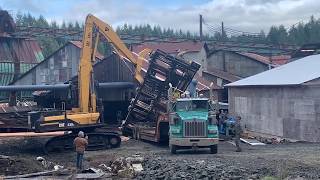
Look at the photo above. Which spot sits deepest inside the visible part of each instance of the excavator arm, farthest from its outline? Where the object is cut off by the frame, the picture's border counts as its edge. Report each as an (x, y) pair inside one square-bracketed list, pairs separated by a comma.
[(85, 117), (87, 96)]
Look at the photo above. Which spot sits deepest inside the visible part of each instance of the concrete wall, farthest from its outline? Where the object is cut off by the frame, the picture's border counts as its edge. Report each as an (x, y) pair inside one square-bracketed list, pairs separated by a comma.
[(235, 64), (289, 112)]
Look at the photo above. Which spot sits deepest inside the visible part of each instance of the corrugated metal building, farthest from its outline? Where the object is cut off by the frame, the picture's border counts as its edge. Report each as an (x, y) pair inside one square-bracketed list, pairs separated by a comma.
[(17, 56), (256, 48), (220, 78), (223, 67), (283, 101), (306, 50), (237, 63), (115, 101), (58, 68), (62, 66)]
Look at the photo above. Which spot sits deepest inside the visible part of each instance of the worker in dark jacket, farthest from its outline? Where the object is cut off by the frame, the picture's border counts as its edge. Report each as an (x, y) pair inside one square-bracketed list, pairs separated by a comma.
[(238, 131), (81, 144)]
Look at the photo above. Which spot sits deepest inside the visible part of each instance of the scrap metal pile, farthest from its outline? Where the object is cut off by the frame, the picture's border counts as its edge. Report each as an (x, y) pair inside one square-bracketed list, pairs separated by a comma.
[(163, 69)]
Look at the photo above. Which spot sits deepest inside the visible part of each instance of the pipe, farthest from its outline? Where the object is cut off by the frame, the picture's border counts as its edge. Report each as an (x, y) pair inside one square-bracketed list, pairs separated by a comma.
[(110, 85), (116, 85), (34, 87)]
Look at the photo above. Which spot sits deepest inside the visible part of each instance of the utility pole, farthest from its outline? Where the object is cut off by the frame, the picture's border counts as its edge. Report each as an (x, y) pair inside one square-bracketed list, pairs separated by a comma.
[(222, 31), (201, 28)]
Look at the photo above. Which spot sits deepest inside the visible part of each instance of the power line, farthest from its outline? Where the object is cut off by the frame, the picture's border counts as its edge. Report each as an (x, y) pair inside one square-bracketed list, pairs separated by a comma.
[(228, 30)]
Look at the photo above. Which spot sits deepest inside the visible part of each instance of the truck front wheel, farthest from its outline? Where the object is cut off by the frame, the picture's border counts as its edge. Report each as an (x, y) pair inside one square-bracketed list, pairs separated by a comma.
[(173, 149), (214, 149)]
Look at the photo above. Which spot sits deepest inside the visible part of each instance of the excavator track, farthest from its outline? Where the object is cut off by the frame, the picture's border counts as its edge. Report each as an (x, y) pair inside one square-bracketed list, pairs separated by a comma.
[(97, 141)]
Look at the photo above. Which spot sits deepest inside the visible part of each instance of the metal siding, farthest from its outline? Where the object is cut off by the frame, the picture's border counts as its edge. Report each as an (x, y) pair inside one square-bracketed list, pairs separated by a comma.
[(293, 73), (113, 69), (74, 57), (285, 111), (28, 53)]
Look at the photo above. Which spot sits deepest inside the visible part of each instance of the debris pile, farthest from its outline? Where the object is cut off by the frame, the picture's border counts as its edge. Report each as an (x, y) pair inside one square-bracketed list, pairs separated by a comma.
[(272, 140), (160, 168), (48, 165), (127, 167), (16, 165)]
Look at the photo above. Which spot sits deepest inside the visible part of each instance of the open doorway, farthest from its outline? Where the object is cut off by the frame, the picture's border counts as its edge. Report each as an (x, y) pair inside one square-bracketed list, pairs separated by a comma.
[(114, 111)]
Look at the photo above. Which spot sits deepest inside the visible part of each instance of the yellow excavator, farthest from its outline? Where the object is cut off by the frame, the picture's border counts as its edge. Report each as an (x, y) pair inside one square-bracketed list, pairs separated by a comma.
[(85, 117)]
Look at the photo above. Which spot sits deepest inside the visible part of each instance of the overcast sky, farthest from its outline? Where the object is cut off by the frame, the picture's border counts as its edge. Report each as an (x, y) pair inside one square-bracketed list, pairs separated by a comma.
[(245, 15)]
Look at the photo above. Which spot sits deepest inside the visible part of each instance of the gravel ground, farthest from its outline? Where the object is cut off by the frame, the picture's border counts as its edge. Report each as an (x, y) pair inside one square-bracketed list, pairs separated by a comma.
[(255, 162)]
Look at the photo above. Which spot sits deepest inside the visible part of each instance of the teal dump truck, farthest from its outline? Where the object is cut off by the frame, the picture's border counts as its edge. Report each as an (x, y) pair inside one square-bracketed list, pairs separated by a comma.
[(192, 124)]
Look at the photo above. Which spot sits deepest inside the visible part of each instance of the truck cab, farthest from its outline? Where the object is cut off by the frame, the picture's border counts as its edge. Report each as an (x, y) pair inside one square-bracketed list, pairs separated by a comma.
[(192, 124)]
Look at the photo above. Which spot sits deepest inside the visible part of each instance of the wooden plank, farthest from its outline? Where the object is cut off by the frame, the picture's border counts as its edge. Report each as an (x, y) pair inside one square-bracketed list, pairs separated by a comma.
[(89, 175), (31, 134), (31, 175), (52, 173), (252, 142)]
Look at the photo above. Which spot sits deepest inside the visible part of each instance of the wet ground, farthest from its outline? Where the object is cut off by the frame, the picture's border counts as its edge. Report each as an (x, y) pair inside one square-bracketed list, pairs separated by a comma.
[(293, 160)]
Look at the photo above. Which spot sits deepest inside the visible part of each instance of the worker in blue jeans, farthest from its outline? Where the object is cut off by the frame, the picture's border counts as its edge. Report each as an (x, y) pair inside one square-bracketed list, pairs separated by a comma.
[(81, 144)]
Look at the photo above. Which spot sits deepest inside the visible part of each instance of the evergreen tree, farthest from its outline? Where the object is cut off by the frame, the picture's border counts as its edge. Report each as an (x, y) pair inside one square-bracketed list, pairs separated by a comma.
[(297, 34), (63, 25), (77, 26)]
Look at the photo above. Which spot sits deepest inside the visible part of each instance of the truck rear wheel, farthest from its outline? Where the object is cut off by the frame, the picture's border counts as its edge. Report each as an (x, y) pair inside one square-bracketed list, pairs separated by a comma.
[(214, 149), (173, 149)]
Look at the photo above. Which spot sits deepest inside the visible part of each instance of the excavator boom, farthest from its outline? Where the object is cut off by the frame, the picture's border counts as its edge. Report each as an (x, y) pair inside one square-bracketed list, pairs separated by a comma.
[(85, 70)]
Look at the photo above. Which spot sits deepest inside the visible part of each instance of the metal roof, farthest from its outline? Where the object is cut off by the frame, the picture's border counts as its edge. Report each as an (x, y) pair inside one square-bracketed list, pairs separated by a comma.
[(204, 84), (188, 99), (79, 45), (307, 50), (252, 56), (170, 47), (258, 48), (26, 69), (27, 51), (293, 73), (257, 57), (222, 74)]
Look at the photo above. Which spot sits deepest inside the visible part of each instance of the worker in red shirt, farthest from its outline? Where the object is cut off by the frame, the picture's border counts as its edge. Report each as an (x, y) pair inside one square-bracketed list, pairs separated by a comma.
[(81, 144)]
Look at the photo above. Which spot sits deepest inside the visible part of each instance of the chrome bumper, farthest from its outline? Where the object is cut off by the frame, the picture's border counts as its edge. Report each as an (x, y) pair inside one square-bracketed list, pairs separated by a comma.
[(197, 142)]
